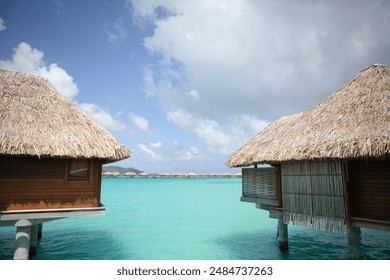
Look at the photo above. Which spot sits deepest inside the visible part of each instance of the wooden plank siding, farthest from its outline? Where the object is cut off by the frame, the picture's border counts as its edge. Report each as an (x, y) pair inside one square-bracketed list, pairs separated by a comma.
[(31, 183), (369, 189)]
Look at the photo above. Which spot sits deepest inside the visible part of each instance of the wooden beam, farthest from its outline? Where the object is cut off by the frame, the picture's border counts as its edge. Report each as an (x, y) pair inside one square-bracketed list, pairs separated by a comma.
[(11, 218), (344, 173), (264, 203), (371, 224), (275, 213)]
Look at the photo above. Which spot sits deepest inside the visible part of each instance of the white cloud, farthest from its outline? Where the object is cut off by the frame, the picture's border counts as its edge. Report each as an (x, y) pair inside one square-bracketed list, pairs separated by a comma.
[(181, 118), (118, 33), (255, 57), (146, 12), (102, 117), (184, 152), (156, 152), (60, 80), (206, 129), (140, 122), (149, 153), (156, 144), (148, 81), (218, 139), (27, 59), (253, 61), (250, 123), (194, 94), (2, 25)]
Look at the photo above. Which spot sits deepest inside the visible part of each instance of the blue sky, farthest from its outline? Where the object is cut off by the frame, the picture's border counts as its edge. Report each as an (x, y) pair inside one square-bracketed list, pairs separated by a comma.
[(183, 84)]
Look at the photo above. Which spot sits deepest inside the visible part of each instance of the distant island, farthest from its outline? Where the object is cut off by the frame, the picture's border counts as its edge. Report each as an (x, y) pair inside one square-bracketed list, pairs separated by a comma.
[(118, 171)]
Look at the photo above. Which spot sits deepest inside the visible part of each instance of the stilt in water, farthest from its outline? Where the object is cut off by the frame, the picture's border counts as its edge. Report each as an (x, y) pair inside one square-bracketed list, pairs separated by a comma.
[(355, 252), (34, 239), (282, 235), (22, 243), (40, 228)]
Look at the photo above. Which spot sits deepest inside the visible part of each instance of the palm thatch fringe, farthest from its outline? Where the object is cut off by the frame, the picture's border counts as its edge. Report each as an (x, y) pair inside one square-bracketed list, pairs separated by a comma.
[(36, 120), (313, 194), (353, 122), (336, 225)]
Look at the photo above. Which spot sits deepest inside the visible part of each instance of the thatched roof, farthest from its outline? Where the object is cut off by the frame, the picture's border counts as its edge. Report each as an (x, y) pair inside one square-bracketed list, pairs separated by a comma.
[(36, 120), (353, 122)]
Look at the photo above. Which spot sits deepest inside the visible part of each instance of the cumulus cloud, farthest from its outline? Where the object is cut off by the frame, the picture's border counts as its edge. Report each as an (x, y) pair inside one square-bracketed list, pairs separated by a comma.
[(219, 139), (255, 57), (176, 151), (148, 153), (146, 12), (102, 117), (184, 152), (28, 59), (247, 124), (2, 25), (156, 144), (208, 130), (140, 122), (60, 79), (253, 61), (148, 81), (118, 33), (194, 94)]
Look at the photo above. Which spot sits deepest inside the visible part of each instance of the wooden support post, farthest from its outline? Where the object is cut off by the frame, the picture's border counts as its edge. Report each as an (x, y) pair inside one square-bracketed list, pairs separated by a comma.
[(40, 228), (34, 239), (22, 243), (282, 235), (355, 252)]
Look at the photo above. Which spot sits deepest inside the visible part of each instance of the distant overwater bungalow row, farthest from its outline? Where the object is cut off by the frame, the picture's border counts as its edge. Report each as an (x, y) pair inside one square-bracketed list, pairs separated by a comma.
[(171, 175)]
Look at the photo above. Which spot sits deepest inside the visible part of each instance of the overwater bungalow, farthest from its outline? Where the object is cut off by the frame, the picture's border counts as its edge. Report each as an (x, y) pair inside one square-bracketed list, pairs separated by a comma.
[(51, 157), (143, 174), (327, 168), (165, 175), (111, 174), (108, 174), (130, 174)]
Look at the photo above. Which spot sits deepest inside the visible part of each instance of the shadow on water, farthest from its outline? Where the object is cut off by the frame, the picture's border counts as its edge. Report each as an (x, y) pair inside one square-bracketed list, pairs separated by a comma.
[(57, 244), (305, 244), (375, 244), (250, 246), (7, 242)]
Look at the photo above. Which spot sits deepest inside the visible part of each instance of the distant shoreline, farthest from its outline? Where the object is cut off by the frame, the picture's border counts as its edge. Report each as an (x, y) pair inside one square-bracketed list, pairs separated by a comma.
[(155, 175)]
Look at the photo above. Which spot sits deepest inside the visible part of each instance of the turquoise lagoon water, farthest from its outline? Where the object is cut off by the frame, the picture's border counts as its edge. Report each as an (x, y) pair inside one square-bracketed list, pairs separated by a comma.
[(184, 219)]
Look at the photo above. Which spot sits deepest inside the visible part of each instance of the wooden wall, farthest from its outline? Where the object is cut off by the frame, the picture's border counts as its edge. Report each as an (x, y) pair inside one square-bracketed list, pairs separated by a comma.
[(369, 189), (32, 183)]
